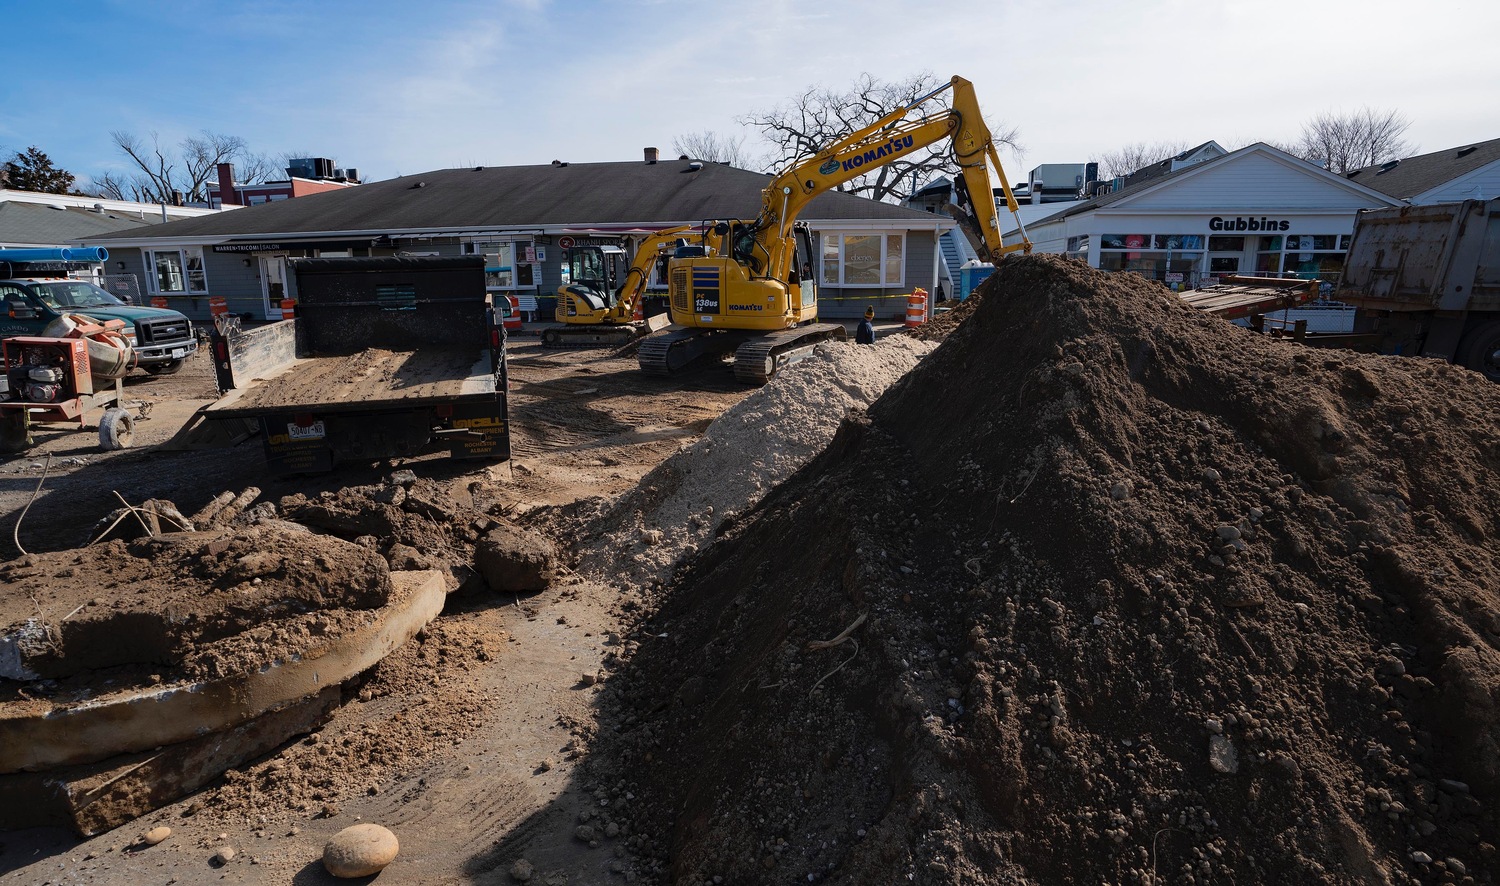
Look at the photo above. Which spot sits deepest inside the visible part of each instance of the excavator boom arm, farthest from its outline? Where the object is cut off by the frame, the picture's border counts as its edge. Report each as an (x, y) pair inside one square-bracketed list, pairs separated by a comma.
[(889, 138)]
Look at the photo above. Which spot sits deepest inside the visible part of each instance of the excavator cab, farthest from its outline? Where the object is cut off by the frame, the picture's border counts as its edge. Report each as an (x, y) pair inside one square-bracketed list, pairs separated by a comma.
[(594, 273)]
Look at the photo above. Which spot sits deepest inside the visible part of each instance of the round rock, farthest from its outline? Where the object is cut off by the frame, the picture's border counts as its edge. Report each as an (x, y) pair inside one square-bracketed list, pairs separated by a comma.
[(360, 850), (156, 835)]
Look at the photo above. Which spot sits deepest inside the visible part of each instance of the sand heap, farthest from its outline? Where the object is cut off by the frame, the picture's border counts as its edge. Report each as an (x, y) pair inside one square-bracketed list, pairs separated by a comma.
[(743, 454), (1105, 590)]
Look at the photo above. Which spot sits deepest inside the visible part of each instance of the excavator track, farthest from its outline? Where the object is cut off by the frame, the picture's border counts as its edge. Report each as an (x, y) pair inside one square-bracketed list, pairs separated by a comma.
[(760, 358), (590, 336), (672, 349)]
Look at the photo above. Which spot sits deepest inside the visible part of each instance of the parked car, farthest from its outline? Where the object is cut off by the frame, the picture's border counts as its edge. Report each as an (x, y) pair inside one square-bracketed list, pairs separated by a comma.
[(162, 338)]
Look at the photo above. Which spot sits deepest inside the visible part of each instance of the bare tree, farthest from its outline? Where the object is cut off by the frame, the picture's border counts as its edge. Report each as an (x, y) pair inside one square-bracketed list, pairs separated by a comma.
[(110, 185), (820, 116), (1137, 155), (161, 172), (1345, 142), (713, 147)]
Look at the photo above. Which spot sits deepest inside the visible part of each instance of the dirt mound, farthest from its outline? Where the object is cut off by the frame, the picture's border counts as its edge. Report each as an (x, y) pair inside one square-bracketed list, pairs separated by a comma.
[(184, 605), (641, 536), (943, 323), (1105, 590)]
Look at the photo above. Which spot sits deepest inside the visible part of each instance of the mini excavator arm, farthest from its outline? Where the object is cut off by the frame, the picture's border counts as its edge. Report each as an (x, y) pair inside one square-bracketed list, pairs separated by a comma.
[(638, 276)]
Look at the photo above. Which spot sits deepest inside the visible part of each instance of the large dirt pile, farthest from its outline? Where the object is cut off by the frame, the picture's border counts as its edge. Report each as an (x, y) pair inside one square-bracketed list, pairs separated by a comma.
[(1105, 590), (638, 538)]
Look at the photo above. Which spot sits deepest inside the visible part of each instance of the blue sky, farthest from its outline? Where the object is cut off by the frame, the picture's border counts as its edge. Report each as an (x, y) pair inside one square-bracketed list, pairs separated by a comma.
[(400, 88)]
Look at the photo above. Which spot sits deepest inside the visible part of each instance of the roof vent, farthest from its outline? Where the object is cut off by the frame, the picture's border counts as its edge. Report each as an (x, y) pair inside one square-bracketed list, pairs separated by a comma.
[(695, 165), (1464, 152), (479, 169), (1388, 166), (559, 164), (98, 207), (420, 185), (56, 206)]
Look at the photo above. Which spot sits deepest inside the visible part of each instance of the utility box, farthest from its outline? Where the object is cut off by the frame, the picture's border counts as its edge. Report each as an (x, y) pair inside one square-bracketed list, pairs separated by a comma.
[(968, 278)]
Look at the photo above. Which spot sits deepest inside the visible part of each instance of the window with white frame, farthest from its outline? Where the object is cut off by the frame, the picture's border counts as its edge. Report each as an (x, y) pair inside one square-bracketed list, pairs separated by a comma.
[(873, 259), (508, 263), (176, 270)]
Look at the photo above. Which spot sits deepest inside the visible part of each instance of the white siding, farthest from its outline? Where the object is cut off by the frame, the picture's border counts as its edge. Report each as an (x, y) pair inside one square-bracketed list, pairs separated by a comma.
[(1253, 182), (1481, 184)]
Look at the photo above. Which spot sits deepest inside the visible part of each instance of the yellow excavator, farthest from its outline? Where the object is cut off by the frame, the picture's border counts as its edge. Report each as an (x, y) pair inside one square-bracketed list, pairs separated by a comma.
[(750, 286), (593, 311)]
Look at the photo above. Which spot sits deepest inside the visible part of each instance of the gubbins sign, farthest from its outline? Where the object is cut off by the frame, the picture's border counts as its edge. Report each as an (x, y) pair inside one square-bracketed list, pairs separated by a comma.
[(894, 146), (1240, 223)]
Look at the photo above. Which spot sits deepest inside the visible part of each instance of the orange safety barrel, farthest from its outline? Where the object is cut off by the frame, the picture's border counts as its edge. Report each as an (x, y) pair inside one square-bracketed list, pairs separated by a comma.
[(639, 313), (160, 301), (916, 307), (288, 309), (218, 305), (512, 319)]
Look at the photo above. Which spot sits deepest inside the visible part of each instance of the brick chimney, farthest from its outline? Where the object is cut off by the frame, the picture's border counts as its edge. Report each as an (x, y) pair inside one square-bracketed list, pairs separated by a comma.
[(652, 154), (227, 194)]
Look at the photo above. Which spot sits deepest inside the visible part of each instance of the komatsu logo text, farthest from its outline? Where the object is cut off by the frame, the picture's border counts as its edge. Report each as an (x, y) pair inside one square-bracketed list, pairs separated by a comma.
[(894, 146)]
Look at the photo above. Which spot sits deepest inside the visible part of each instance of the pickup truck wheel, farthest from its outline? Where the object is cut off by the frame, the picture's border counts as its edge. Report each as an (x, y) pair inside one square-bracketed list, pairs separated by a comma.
[(116, 428), (1480, 350), (166, 368), (15, 431)]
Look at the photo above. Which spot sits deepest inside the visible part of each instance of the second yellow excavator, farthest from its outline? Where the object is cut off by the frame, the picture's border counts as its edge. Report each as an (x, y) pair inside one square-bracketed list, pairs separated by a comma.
[(593, 311), (751, 286)]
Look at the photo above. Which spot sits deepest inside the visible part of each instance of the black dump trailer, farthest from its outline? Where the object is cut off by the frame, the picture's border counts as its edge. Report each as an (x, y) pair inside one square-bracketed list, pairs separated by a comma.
[(386, 358)]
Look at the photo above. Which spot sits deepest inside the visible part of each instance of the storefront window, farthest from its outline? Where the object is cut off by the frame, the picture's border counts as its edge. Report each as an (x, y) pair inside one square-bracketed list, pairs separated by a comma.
[(500, 268), (864, 259), (1309, 256), (1226, 244), (177, 270)]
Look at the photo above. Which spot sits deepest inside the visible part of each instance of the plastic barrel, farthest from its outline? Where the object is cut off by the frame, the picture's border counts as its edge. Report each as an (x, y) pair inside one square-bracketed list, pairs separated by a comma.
[(916, 308)]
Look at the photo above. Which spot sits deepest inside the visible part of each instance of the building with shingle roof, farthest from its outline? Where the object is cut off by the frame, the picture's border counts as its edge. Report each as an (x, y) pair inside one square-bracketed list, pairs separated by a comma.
[(1467, 172), (521, 218), (1257, 210)]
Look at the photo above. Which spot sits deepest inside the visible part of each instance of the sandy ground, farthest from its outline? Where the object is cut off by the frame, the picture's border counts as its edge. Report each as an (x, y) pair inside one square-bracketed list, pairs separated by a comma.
[(498, 733)]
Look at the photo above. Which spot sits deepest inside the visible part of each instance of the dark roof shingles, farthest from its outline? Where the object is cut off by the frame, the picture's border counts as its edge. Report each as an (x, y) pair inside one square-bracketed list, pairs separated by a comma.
[(522, 196)]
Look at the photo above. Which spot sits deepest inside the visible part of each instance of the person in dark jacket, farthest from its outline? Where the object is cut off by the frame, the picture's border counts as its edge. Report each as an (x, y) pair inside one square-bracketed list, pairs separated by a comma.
[(865, 334)]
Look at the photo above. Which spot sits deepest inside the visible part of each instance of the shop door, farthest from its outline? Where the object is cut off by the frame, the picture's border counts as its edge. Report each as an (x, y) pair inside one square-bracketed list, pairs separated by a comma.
[(1223, 264), (272, 284)]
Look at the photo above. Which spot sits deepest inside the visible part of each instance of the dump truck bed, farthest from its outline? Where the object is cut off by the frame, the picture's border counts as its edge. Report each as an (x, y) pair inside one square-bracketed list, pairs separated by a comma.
[(386, 358), (371, 379)]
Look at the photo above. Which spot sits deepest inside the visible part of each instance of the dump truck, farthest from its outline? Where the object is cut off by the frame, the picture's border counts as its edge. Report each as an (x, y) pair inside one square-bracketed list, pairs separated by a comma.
[(384, 358), (1425, 280)]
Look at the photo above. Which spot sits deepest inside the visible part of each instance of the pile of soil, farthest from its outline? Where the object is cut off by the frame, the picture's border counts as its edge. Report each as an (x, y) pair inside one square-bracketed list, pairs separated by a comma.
[(943, 323), (640, 537), (281, 580), (1105, 590), (186, 606)]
